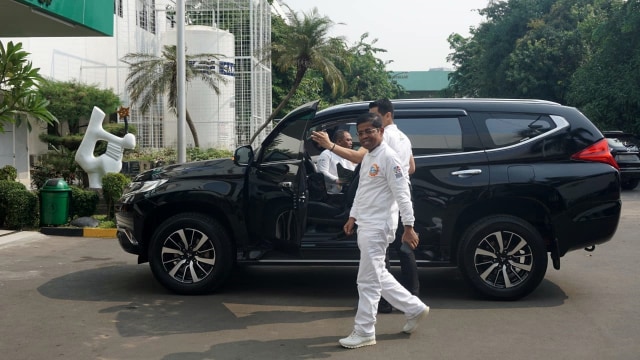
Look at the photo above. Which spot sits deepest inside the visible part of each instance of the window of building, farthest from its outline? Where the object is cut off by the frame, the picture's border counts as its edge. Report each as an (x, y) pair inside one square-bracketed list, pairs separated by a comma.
[(146, 15)]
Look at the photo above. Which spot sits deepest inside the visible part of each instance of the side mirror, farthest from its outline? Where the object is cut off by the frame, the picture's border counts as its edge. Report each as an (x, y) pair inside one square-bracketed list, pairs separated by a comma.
[(243, 155)]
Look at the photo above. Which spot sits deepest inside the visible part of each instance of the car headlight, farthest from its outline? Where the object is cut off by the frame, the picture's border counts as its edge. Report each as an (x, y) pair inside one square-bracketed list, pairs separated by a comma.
[(145, 186)]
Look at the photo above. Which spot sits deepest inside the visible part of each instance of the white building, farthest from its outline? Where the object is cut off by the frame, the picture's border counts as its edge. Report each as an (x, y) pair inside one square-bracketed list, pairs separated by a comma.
[(239, 30)]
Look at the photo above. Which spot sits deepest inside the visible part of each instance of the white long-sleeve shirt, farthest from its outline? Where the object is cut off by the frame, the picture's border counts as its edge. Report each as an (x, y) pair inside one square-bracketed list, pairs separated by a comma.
[(383, 189), (401, 144), (326, 164)]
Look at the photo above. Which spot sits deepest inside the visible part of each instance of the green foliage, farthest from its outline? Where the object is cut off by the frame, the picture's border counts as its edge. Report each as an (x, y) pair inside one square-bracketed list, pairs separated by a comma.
[(196, 154), (83, 202), (18, 206), (70, 142), (8, 172), (73, 102), (305, 45), (584, 53), (107, 224), (168, 155), (113, 184), (6, 187), (364, 74), (19, 83), (606, 88), (56, 164)]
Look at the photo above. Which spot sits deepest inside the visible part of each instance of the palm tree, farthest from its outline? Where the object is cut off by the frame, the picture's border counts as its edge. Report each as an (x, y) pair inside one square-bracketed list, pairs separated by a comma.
[(151, 76), (306, 46)]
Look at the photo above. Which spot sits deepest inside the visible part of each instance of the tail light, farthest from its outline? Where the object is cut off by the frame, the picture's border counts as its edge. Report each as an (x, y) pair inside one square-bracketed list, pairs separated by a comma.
[(598, 152)]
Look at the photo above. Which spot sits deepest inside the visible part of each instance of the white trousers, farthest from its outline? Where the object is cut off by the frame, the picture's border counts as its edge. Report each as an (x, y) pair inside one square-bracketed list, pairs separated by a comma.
[(374, 280)]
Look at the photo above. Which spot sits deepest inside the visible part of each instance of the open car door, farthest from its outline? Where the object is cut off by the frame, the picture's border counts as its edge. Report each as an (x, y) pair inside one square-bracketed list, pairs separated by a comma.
[(278, 191)]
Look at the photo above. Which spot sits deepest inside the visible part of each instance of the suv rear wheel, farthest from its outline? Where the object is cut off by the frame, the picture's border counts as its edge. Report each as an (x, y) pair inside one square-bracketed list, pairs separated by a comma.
[(503, 257), (190, 254)]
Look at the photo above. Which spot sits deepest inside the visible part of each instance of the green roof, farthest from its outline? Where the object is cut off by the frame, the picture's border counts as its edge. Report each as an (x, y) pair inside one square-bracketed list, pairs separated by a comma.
[(432, 80)]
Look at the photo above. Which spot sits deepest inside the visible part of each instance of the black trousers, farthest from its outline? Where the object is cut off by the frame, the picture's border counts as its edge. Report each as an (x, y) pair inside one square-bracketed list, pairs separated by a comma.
[(408, 267)]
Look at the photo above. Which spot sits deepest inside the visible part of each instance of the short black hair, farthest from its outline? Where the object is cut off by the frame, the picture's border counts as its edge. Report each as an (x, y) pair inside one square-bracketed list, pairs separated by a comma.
[(373, 118), (384, 106), (339, 134)]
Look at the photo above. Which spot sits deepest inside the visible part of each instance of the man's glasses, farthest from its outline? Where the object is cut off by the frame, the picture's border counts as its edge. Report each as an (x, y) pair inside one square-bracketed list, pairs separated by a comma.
[(368, 131)]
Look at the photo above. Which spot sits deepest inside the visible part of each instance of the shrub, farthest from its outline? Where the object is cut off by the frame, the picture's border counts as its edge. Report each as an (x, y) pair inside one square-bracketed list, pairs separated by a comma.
[(56, 164), (18, 206), (8, 187), (8, 172), (83, 202), (113, 184)]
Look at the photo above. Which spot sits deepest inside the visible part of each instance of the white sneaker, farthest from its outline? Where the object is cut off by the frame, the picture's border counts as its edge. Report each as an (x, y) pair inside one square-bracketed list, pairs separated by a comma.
[(355, 341), (412, 323)]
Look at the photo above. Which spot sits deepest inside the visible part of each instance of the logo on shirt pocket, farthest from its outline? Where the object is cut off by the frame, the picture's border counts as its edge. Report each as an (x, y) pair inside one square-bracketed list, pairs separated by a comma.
[(374, 170)]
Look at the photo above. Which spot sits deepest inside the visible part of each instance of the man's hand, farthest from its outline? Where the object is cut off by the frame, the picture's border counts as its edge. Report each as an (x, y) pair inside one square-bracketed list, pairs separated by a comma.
[(410, 237), (322, 138), (348, 227)]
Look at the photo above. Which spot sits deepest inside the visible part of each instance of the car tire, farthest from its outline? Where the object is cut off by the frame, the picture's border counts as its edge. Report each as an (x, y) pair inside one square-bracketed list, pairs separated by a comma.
[(502, 257), (191, 254), (629, 184)]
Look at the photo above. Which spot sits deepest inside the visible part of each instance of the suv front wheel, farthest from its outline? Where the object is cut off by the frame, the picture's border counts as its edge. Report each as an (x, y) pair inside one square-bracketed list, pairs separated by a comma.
[(190, 254), (502, 257)]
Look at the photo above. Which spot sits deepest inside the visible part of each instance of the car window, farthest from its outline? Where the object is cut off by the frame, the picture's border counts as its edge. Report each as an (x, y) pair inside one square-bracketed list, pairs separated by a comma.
[(286, 144), (432, 135), (509, 129), (331, 127)]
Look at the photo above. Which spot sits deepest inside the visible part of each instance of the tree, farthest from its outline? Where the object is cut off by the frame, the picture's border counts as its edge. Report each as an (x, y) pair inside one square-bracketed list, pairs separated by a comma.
[(151, 76), (306, 46), (482, 60), (606, 87), (19, 83), (72, 101), (366, 75)]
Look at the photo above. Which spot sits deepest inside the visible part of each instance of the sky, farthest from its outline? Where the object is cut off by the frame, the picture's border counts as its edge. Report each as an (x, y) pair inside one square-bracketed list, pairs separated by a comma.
[(414, 33)]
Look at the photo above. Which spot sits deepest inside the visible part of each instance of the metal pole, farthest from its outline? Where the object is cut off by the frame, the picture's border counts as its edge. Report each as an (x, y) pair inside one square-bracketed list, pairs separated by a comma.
[(182, 75)]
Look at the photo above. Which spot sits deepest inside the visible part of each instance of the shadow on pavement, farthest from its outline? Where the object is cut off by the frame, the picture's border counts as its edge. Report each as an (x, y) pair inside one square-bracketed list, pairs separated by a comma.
[(257, 296)]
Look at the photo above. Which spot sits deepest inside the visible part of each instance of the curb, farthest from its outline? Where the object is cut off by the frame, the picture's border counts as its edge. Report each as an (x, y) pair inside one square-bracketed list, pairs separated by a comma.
[(83, 232)]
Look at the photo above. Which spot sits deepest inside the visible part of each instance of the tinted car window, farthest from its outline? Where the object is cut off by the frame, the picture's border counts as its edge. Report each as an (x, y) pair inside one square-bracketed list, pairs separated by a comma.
[(432, 135), (509, 129), (286, 144)]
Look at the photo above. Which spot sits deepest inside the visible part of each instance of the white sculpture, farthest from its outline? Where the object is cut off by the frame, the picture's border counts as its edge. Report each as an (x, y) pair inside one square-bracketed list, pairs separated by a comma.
[(109, 162)]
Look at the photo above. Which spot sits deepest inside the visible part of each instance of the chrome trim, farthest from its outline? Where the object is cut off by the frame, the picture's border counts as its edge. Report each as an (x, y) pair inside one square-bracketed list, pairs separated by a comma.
[(128, 235)]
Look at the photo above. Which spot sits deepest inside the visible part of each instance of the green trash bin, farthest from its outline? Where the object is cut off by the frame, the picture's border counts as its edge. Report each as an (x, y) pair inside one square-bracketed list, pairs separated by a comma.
[(55, 198)]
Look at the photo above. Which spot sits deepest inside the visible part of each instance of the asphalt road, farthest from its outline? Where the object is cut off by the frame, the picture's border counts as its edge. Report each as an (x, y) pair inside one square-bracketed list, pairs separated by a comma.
[(84, 298)]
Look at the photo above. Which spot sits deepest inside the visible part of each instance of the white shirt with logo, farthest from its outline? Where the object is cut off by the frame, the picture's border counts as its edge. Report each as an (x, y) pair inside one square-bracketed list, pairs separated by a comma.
[(383, 189)]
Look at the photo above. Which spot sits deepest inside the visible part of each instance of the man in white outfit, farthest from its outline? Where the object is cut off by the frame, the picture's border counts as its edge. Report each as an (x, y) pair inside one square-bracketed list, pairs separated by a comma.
[(328, 161), (399, 142), (382, 191)]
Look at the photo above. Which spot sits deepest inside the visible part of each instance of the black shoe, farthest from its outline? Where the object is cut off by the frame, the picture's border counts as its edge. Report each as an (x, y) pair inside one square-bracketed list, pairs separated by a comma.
[(384, 307)]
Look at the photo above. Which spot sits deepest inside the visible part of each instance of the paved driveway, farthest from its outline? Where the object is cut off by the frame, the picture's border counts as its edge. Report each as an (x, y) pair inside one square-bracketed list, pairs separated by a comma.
[(84, 298)]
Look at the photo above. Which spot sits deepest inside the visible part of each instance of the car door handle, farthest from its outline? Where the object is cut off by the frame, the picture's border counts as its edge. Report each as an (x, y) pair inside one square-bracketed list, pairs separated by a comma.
[(466, 173), (286, 184)]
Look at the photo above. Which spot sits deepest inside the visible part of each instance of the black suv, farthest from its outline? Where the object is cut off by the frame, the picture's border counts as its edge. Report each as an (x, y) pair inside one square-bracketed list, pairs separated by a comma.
[(624, 148), (498, 185)]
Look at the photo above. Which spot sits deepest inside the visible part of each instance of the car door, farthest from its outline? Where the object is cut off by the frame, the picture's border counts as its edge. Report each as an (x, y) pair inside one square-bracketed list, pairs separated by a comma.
[(452, 171), (277, 191)]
